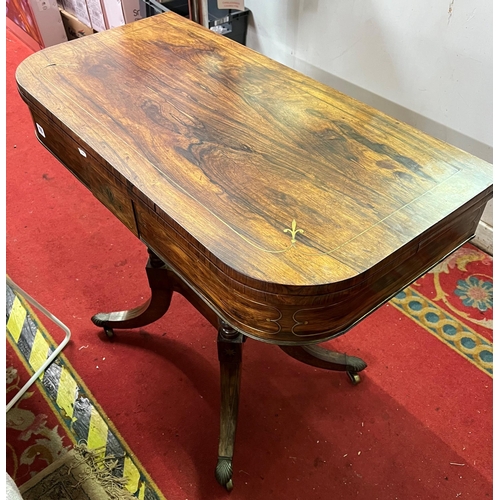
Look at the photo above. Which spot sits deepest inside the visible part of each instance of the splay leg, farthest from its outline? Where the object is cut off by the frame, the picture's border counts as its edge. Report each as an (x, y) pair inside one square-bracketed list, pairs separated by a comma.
[(160, 279), (329, 360)]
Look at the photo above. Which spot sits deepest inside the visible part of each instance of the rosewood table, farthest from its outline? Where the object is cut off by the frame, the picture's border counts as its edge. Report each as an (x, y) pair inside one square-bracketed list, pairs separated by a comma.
[(282, 209)]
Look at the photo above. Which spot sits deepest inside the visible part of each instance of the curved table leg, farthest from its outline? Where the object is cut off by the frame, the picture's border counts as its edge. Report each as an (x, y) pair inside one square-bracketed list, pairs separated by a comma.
[(160, 282), (329, 360), (229, 348)]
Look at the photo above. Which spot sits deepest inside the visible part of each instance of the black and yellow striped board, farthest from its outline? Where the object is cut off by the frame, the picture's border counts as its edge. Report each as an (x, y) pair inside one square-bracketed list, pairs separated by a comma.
[(72, 402)]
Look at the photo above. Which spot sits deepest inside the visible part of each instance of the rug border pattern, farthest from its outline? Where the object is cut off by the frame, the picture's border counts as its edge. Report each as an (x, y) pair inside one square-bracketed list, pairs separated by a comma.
[(435, 320)]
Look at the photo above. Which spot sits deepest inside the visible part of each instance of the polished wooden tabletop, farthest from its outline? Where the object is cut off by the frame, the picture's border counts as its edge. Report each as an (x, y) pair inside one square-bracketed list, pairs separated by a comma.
[(292, 208)]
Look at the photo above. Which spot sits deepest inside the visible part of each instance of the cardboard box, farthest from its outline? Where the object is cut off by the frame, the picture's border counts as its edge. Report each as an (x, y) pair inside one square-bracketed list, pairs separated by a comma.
[(133, 10), (40, 19), (113, 13), (74, 28), (78, 8), (97, 16)]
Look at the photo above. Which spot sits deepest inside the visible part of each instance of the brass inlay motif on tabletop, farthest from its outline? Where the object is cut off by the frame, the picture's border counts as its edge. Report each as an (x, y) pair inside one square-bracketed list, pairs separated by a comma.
[(293, 231)]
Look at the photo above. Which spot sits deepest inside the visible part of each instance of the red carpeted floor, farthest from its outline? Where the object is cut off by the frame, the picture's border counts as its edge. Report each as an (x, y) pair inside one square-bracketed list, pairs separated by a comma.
[(419, 426)]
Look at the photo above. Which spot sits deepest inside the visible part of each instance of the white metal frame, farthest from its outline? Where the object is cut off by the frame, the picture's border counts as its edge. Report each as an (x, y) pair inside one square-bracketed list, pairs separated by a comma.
[(53, 356)]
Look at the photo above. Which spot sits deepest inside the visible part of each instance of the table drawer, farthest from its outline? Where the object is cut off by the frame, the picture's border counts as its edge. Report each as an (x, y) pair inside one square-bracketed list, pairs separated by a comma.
[(112, 193)]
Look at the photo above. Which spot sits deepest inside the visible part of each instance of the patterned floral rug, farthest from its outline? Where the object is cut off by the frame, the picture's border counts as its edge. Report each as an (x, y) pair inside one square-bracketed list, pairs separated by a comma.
[(35, 438), (454, 301)]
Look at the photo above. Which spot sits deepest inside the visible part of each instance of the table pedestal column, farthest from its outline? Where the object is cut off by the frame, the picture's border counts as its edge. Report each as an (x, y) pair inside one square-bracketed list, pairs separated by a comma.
[(229, 349)]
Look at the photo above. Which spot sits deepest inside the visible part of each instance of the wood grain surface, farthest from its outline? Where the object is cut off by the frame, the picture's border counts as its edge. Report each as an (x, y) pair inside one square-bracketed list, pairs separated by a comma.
[(292, 209)]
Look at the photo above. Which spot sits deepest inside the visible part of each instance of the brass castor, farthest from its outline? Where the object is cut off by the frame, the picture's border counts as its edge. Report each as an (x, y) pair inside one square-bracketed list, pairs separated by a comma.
[(224, 472), (109, 332), (354, 378)]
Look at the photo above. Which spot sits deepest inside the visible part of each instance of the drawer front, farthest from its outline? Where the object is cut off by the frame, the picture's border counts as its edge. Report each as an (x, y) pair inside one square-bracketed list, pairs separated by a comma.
[(60, 145), (112, 193)]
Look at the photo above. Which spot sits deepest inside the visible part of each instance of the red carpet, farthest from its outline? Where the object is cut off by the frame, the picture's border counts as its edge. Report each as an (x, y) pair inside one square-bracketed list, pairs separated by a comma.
[(419, 426)]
